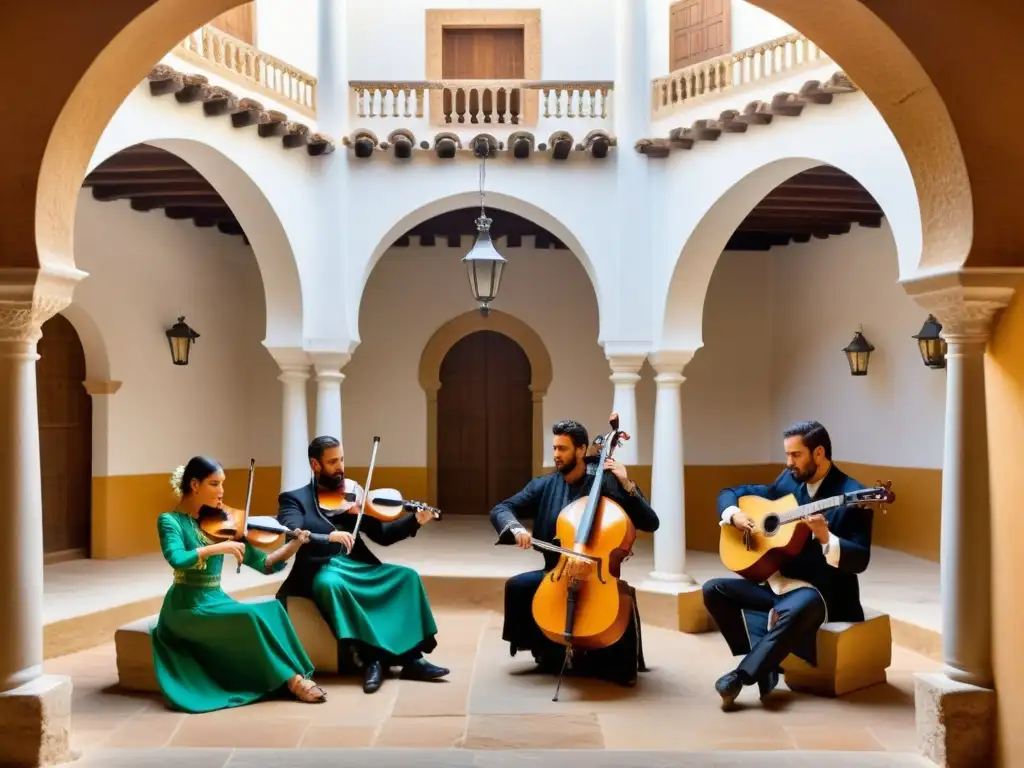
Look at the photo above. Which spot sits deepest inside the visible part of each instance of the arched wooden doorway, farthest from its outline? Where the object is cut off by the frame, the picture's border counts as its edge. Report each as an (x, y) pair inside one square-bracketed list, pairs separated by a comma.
[(65, 442), (484, 423)]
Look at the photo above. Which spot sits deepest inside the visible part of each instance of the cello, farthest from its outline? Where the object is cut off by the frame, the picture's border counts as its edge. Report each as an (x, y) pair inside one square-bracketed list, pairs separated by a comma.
[(593, 610), (226, 523)]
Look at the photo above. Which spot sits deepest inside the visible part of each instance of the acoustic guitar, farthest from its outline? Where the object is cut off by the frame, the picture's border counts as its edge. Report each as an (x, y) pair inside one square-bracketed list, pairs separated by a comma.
[(779, 532)]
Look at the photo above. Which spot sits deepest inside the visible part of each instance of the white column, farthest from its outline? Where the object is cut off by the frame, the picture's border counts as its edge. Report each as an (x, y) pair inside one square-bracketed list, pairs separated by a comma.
[(966, 548), (21, 546), (668, 490), (631, 111), (24, 307), (332, 91), (625, 375), (294, 426), (328, 393)]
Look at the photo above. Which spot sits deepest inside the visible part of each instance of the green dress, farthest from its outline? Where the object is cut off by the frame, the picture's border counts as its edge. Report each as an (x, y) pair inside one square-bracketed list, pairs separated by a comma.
[(210, 651)]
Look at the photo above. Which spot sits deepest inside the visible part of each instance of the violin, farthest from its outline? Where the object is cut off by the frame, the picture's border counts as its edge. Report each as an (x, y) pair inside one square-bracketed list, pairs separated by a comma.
[(385, 504), (591, 611), (226, 523)]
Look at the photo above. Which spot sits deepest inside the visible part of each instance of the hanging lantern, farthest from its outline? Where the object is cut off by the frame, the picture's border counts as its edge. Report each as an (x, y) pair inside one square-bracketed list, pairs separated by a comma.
[(857, 353), (931, 344), (180, 338), (484, 265)]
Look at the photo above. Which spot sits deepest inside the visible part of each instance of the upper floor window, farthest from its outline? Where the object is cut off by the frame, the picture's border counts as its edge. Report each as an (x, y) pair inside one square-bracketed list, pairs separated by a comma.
[(698, 30), (479, 53)]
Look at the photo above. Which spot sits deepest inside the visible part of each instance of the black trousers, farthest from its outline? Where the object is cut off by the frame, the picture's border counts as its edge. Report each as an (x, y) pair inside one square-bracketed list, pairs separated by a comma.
[(617, 663), (800, 613)]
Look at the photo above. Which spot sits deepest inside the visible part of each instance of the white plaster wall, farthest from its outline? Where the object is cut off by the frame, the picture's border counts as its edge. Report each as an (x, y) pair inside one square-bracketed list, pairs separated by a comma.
[(737, 171), (413, 291), (272, 191), (750, 25), (573, 199), (822, 291), (287, 29), (387, 38), (144, 271)]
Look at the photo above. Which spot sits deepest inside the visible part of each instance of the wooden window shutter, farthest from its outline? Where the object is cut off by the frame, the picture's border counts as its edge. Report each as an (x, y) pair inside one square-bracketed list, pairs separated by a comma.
[(698, 30), (239, 22)]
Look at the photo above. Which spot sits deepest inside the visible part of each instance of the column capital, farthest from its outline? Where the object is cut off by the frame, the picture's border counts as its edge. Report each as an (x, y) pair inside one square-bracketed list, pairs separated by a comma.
[(29, 297), (625, 362), (294, 374), (328, 365), (965, 301), (100, 387), (670, 363), (289, 357)]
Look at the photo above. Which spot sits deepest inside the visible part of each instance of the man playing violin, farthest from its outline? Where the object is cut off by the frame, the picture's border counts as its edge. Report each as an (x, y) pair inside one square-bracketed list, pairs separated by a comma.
[(543, 499), (766, 622), (379, 611)]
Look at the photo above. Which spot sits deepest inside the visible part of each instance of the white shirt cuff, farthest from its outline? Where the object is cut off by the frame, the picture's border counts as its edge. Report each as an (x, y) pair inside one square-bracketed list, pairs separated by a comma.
[(831, 550), (727, 514)]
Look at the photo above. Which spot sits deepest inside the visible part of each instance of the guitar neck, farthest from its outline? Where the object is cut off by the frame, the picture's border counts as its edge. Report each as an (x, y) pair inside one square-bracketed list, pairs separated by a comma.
[(806, 510)]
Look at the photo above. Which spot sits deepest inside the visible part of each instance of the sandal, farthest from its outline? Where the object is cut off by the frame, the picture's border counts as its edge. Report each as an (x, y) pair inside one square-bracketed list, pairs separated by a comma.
[(307, 691)]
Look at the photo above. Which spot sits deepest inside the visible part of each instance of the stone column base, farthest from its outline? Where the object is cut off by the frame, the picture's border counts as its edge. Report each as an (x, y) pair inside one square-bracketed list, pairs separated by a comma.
[(35, 723), (955, 721)]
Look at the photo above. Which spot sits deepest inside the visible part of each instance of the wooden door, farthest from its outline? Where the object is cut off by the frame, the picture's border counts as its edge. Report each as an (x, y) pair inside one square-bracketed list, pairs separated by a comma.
[(65, 442), (239, 22), (484, 423), (698, 30)]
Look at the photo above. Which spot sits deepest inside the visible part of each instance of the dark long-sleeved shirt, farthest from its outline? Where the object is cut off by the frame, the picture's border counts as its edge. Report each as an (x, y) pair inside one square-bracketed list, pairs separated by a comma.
[(544, 497)]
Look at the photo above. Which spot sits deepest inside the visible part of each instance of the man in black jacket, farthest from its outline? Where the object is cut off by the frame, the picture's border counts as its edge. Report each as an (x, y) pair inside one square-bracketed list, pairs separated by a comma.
[(543, 499), (766, 622), (378, 610)]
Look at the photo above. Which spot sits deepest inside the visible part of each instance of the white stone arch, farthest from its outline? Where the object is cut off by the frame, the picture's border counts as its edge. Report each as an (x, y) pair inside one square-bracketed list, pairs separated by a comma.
[(97, 358), (493, 200), (263, 184), (682, 300)]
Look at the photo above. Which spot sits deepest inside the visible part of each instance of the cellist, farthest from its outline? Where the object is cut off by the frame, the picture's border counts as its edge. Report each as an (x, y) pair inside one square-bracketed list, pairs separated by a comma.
[(543, 499)]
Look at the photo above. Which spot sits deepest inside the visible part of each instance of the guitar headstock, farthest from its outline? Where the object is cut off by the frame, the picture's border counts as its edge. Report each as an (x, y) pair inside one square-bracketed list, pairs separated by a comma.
[(881, 495)]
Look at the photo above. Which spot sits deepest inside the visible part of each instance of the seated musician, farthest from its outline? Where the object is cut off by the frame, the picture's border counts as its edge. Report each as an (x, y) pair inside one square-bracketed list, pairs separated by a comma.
[(818, 585), (543, 498), (210, 651), (380, 611)]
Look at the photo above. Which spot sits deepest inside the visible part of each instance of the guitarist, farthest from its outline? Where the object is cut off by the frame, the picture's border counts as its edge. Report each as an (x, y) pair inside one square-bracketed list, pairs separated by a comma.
[(766, 622)]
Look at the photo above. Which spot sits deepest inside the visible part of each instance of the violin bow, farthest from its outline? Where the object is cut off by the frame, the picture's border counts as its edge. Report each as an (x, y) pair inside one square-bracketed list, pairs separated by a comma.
[(366, 492), (248, 501)]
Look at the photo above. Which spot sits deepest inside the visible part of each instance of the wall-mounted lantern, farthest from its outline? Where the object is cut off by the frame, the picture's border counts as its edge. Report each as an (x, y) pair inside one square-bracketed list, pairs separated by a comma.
[(931, 343), (180, 337), (858, 352)]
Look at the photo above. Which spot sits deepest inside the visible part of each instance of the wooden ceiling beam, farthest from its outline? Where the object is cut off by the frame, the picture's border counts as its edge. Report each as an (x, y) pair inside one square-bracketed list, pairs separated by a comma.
[(104, 178), (123, 191), (826, 196), (190, 212), (823, 206), (152, 203)]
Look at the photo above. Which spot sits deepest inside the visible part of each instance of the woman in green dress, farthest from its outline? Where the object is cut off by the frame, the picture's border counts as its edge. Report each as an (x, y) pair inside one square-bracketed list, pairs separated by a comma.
[(210, 651)]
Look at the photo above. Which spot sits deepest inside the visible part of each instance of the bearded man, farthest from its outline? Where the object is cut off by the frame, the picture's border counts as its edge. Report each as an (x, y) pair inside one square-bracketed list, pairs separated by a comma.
[(766, 622)]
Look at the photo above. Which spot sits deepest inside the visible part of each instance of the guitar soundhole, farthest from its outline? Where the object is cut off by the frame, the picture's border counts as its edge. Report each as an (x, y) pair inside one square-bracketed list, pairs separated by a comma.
[(770, 525)]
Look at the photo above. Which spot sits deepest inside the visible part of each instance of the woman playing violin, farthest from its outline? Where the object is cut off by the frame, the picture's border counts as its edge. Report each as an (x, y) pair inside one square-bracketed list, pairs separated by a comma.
[(210, 651)]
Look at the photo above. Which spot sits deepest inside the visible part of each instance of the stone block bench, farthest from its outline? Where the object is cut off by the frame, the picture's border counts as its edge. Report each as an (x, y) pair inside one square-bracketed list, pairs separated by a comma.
[(851, 656), (134, 648)]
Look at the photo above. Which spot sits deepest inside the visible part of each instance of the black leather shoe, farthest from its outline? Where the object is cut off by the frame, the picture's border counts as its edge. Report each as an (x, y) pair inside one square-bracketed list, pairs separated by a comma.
[(729, 686), (421, 669), (767, 683), (373, 677)]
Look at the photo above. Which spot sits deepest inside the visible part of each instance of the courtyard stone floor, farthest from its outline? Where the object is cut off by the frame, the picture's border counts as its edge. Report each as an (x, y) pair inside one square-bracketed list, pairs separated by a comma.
[(493, 711)]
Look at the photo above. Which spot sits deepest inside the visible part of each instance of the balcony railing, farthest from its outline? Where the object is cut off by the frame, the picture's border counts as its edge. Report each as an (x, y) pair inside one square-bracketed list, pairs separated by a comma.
[(770, 59), (250, 67), (513, 102)]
